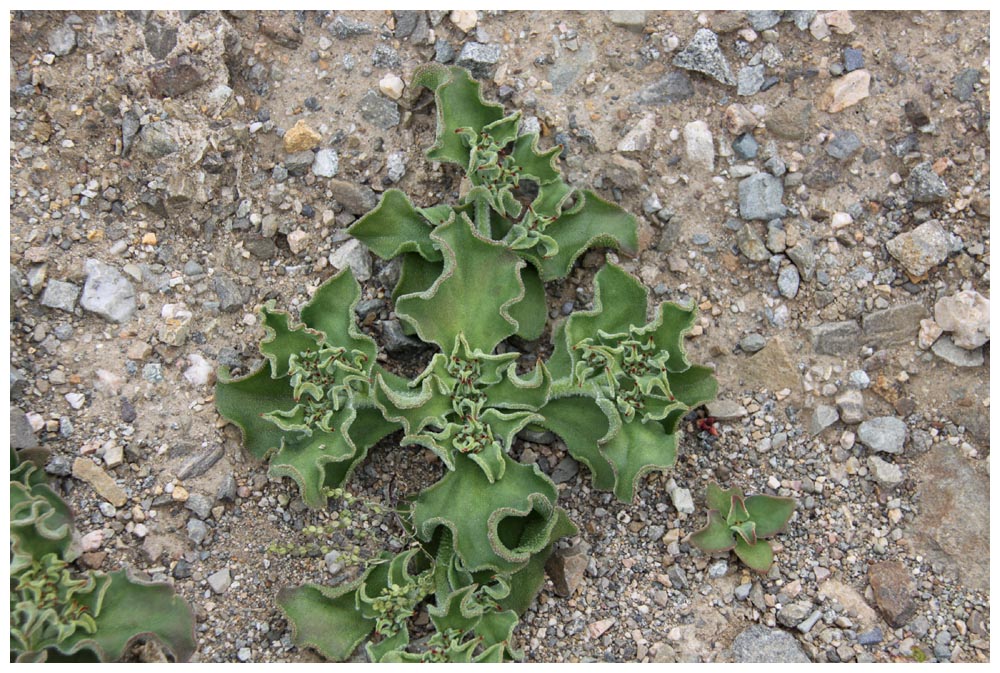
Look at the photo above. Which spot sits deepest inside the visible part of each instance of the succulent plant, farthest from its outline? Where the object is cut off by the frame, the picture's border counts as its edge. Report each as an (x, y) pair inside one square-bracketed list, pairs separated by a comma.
[(741, 524), (615, 390), (56, 614)]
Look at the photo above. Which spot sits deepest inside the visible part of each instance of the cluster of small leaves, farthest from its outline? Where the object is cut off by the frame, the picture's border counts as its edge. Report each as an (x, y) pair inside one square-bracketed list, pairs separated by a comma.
[(59, 615), (741, 523), (472, 275)]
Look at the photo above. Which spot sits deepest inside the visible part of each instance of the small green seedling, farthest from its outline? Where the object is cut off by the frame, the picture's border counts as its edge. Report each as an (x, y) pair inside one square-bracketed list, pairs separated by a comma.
[(741, 524)]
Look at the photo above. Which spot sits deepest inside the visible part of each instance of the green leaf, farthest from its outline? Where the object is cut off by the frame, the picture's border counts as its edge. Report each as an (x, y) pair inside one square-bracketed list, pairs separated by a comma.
[(639, 448), (326, 619), (589, 223), (770, 513), (758, 556), (282, 340), (415, 408), (721, 500), (531, 312), (40, 523), (459, 105), (472, 296), (541, 166), (529, 392), (737, 511), (395, 227), (516, 513), (582, 424), (694, 386), (527, 582), (397, 642), (126, 609), (245, 400), (715, 536), (331, 311)]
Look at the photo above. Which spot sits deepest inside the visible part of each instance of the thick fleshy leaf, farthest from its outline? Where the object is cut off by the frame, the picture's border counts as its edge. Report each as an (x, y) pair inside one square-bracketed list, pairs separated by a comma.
[(715, 536), (737, 511), (245, 400), (535, 163), (501, 527), (331, 311), (770, 513), (720, 499), (639, 448), (473, 295), (582, 424), (326, 619), (758, 556), (694, 386), (527, 582), (531, 312), (414, 408), (529, 392), (125, 609), (282, 340), (378, 652), (395, 227), (40, 523), (459, 105), (591, 222)]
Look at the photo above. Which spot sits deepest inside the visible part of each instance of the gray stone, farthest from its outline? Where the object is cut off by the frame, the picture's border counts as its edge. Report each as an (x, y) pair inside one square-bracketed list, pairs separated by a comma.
[(762, 19), (964, 85), (197, 532), (677, 576), (353, 255), (673, 88), (566, 568), (703, 55), (244, 654), (155, 141), (851, 404), (726, 410), (229, 292), (345, 27), (953, 520), (220, 580), (130, 130), (921, 249), (200, 463), (385, 57), (62, 40), (761, 645), (750, 244), (792, 614), (699, 146), (746, 146), (395, 166), (200, 504), (885, 434), (742, 592), (379, 110), (22, 435), (788, 282), (894, 326), (926, 186), (843, 145), (946, 349), (355, 198), (682, 500), (803, 255), (630, 19), (870, 637), (966, 315), (406, 22), (760, 197), (59, 466), (398, 343), (160, 39), (297, 163), (334, 562), (802, 17), (443, 51), (806, 625), (479, 59), (885, 474), (107, 292), (853, 59), (718, 568), (565, 470), (823, 417), (749, 80), (752, 343), (61, 295), (791, 119), (776, 237)]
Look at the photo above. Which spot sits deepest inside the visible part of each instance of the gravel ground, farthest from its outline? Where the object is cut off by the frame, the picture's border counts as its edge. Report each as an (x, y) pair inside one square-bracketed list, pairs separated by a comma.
[(818, 183)]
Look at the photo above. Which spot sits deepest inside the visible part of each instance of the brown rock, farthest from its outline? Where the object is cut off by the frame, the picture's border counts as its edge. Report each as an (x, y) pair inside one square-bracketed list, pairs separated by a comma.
[(281, 32), (179, 76), (894, 591), (86, 470), (839, 22), (738, 119), (846, 91), (94, 559), (791, 119), (300, 138), (772, 368), (566, 567)]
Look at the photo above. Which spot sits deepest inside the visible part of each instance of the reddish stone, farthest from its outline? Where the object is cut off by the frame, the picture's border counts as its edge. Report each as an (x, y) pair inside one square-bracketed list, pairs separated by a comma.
[(894, 591)]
